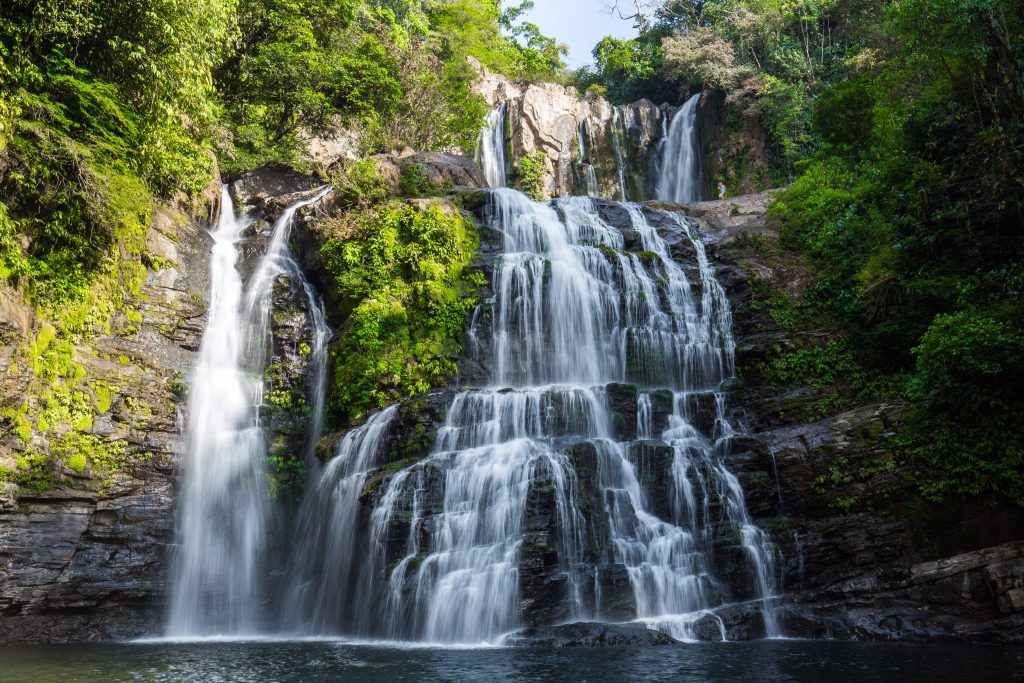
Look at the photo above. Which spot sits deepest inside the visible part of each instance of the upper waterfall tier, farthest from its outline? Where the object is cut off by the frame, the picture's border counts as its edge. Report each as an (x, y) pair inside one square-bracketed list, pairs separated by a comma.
[(679, 169), (574, 307), (586, 146), (492, 152)]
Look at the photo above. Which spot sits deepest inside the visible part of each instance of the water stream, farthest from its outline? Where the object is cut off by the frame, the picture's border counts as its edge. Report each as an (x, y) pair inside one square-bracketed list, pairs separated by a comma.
[(492, 149), (679, 167), (219, 565)]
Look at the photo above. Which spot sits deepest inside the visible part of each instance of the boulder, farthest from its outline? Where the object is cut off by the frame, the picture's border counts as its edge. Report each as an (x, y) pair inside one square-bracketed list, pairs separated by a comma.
[(443, 170), (272, 187)]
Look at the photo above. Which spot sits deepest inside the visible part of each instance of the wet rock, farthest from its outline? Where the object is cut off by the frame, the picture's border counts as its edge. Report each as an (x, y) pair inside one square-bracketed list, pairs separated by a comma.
[(615, 599), (622, 407), (734, 622), (588, 634), (270, 188), (653, 462), (543, 583)]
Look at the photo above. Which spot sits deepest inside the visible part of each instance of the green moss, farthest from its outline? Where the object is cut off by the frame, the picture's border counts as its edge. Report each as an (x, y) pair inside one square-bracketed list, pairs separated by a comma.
[(103, 396), (32, 471), (402, 275), (778, 305), (648, 258), (74, 449)]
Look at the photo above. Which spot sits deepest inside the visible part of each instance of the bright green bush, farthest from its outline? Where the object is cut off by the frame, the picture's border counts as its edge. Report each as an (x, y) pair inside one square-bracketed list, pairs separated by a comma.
[(413, 182), (403, 278), (530, 172)]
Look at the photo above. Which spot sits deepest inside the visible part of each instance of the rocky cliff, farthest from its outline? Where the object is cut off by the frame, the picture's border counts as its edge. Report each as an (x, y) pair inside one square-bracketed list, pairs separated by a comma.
[(587, 146), (87, 506), (584, 144), (863, 556)]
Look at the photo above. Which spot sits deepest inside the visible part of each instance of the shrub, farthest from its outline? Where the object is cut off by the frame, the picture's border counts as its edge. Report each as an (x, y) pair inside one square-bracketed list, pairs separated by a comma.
[(406, 289), (531, 175)]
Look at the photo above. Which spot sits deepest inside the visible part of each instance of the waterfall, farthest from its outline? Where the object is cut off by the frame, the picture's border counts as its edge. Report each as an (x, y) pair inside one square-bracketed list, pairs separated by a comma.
[(585, 160), (679, 165), (319, 595), (216, 585), (492, 148), (578, 319), (618, 130), (317, 367)]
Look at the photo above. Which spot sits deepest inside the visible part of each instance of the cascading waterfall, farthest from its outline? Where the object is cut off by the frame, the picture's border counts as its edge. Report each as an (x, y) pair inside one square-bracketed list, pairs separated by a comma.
[(315, 600), (216, 585), (574, 312), (492, 149), (679, 165)]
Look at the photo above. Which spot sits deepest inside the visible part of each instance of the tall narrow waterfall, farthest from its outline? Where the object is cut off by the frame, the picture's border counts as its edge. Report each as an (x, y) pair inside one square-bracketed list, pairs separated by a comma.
[(606, 366), (679, 165), (586, 160), (493, 147), (618, 135), (216, 583)]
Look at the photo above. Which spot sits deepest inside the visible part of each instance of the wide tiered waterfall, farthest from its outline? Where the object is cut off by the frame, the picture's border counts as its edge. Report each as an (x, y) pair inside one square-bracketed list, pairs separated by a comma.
[(219, 566), (607, 357), (679, 168)]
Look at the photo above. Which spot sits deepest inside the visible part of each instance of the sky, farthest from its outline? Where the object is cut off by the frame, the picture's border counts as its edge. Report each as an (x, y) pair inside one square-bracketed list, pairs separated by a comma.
[(580, 24)]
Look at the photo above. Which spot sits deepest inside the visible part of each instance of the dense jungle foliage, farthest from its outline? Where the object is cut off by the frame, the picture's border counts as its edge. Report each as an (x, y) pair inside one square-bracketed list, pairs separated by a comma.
[(105, 105), (901, 125), (108, 109)]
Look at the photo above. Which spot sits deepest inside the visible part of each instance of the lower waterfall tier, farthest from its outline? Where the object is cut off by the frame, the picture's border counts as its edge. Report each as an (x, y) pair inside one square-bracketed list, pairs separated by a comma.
[(553, 508)]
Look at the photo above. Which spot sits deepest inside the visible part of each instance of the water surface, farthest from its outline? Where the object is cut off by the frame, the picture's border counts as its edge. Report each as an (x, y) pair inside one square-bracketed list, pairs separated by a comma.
[(294, 662)]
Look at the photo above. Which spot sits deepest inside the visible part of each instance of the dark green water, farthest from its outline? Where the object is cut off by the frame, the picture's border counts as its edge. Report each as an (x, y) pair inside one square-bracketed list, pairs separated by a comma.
[(281, 662)]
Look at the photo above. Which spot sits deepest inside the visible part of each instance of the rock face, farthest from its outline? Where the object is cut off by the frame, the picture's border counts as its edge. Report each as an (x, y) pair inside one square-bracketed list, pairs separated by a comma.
[(588, 634), (857, 562), (85, 557), (586, 145), (591, 147), (442, 170), (734, 146)]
